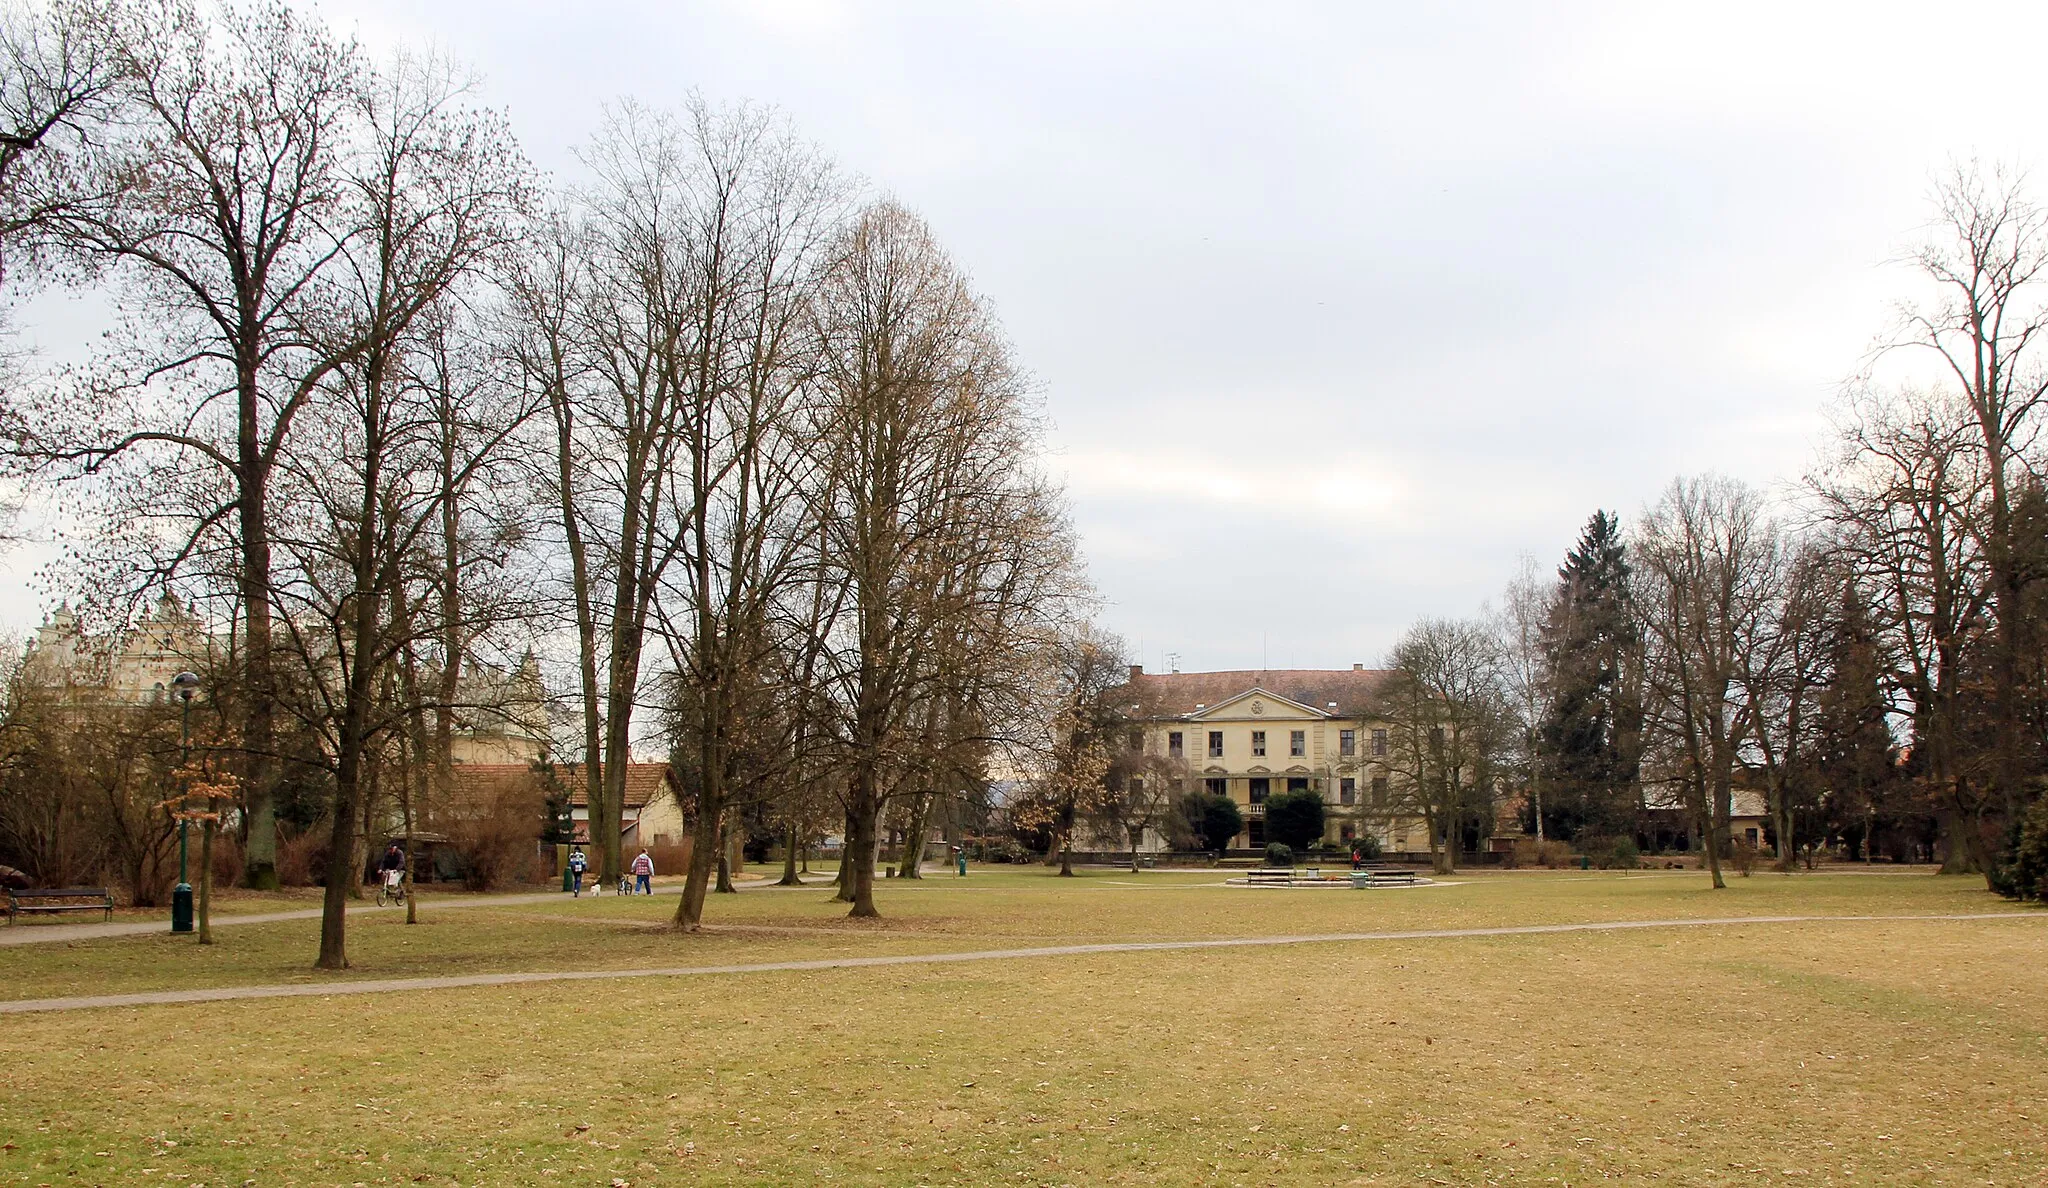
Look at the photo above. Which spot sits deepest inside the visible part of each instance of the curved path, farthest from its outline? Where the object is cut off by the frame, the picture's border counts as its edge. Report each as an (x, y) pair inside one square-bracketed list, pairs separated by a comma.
[(35, 934), (317, 990)]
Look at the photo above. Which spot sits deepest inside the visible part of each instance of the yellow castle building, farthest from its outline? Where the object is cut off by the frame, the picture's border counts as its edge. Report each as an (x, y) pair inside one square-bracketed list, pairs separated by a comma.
[(1247, 734)]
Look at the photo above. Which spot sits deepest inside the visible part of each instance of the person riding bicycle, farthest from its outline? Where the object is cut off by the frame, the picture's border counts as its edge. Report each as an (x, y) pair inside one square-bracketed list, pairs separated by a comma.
[(643, 874), (392, 869), (577, 865)]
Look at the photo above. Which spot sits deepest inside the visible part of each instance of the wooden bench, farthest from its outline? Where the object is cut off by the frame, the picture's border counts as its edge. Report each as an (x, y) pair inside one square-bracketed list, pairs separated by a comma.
[(1269, 874), (59, 899)]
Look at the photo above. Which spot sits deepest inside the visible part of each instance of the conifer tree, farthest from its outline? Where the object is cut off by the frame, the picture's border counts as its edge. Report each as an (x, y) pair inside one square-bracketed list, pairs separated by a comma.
[(1589, 742)]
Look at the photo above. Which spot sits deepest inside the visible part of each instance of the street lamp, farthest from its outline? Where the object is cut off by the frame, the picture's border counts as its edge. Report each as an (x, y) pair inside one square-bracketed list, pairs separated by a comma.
[(186, 683)]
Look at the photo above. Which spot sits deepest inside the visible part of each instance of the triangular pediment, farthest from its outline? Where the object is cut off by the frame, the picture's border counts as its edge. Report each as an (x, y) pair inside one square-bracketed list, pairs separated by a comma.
[(1257, 704)]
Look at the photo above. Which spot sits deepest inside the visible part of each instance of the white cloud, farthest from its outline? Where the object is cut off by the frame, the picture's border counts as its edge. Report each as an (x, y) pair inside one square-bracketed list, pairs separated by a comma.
[(1339, 308)]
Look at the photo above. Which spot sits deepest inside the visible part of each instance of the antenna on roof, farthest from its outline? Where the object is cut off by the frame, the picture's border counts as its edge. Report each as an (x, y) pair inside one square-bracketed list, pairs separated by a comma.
[(1173, 661)]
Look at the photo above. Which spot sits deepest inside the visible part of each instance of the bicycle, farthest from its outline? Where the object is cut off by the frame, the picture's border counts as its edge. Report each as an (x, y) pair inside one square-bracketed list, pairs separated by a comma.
[(392, 889)]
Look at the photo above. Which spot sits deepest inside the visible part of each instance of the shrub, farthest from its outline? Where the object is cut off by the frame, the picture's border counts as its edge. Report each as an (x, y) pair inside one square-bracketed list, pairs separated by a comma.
[(1742, 856), (227, 857), (1001, 849), (1295, 818), (1554, 854), (1279, 854), (1522, 854), (2023, 870), (1214, 820), (1367, 846), (496, 841), (671, 859), (300, 856), (1611, 853)]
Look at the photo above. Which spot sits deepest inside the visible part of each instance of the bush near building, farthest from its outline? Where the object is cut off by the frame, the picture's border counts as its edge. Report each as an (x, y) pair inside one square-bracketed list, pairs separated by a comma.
[(1295, 819)]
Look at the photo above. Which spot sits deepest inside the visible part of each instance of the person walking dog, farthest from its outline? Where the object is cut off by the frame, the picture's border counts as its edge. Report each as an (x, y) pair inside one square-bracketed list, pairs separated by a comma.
[(643, 874), (577, 865)]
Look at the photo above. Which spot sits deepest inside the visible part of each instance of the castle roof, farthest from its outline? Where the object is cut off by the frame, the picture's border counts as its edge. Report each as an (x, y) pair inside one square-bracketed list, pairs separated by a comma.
[(1355, 691)]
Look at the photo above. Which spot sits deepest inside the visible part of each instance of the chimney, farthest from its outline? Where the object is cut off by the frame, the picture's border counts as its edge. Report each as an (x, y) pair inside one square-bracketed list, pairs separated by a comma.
[(1137, 670), (1358, 668)]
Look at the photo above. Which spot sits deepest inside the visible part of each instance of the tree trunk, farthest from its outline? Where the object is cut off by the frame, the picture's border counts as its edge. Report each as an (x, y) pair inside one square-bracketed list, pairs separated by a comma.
[(1788, 854), (860, 874), (1713, 849), (341, 871), (842, 881), (911, 864), (259, 862), (703, 857), (711, 798), (206, 873), (725, 886), (1965, 852), (789, 878)]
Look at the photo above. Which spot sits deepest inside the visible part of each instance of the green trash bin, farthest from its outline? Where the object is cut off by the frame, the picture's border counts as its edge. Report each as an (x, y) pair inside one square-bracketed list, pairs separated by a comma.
[(1585, 863)]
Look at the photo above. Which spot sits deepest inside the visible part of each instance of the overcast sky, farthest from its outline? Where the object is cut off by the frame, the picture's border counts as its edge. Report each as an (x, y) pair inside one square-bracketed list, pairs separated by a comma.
[(1338, 309)]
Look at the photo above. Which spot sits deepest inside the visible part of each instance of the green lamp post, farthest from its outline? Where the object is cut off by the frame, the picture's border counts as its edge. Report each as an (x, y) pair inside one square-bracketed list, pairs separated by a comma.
[(186, 683)]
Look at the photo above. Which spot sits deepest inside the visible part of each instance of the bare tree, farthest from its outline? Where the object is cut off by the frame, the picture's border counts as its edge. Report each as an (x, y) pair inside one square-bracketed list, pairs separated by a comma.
[(220, 186), (949, 547), (1070, 779), (1449, 730), (1987, 257), (1902, 496), (611, 308), (1784, 673), (55, 80), (754, 210), (432, 192), (1526, 606), (1709, 561)]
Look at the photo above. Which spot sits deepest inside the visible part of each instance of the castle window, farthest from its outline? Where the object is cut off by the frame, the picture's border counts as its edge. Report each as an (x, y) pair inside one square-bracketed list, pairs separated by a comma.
[(1173, 744), (1258, 742), (1297, 743)]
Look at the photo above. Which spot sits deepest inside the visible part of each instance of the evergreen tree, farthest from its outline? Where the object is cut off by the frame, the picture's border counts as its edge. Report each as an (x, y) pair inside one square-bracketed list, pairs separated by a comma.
[(1589, 744), (1854, 750)]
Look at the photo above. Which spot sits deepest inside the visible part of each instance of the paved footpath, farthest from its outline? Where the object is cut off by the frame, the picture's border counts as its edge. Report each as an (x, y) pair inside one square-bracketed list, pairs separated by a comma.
[(327, 989), (36, 934)]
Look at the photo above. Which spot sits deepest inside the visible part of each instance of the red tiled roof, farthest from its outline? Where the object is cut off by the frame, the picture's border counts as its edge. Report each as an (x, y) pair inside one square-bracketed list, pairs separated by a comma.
[(1174, 694), (479, 782)]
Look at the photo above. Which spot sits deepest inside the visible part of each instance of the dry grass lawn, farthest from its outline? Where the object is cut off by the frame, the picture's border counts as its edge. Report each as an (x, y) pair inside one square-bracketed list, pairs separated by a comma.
[(1907, 1052)]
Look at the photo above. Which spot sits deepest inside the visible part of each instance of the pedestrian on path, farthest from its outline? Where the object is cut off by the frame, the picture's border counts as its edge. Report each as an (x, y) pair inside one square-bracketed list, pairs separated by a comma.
[(643, 874), (577, 865)]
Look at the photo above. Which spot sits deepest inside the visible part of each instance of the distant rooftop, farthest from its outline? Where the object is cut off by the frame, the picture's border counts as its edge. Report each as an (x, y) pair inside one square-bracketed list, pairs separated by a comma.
[(1352, 692)]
